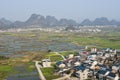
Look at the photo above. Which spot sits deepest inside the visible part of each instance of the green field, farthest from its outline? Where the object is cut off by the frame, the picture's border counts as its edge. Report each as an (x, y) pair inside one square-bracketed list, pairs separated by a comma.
[(104, 39), (54, 57), (5, 70), (49, 73)]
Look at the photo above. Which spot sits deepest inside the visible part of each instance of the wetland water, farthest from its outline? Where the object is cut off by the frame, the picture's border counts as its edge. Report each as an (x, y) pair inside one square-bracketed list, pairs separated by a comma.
[(24, 75), (10, 45)]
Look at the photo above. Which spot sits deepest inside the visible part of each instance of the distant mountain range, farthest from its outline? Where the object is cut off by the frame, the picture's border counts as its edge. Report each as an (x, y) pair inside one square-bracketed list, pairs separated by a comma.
[(36, 20), (103, 21)]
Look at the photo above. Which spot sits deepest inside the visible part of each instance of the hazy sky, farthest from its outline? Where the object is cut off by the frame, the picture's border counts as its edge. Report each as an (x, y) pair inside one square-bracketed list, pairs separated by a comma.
[(71, 9)]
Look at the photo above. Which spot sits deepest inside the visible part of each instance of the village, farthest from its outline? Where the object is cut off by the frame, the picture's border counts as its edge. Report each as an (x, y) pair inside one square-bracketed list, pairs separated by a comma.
[(57, 29), (95, 64)]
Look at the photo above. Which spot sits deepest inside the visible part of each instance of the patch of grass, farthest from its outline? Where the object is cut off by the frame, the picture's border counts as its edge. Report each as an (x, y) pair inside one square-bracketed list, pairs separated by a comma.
[(31, 68), (54, 57), (97, 41), (5, 70), (49, 73), (65, 53)]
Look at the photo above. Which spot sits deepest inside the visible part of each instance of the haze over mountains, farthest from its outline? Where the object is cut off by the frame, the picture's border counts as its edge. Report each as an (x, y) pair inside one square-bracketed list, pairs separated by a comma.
[(37, 20)]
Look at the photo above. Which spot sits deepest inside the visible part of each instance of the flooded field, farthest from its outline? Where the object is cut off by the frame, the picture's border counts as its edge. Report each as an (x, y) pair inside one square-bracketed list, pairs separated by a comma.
[(10, 44), (23, 77), (14, 45), (23, 74)]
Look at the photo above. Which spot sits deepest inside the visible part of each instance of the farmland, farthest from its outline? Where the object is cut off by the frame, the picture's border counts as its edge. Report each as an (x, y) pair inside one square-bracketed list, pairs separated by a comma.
[(23, 48)]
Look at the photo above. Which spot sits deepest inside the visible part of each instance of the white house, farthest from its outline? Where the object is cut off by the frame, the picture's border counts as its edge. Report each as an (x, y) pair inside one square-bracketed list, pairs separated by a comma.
[(46, 63)]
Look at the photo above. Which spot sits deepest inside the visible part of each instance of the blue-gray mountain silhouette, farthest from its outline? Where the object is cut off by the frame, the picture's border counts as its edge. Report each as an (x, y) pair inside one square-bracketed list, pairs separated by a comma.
[(37, 20)]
